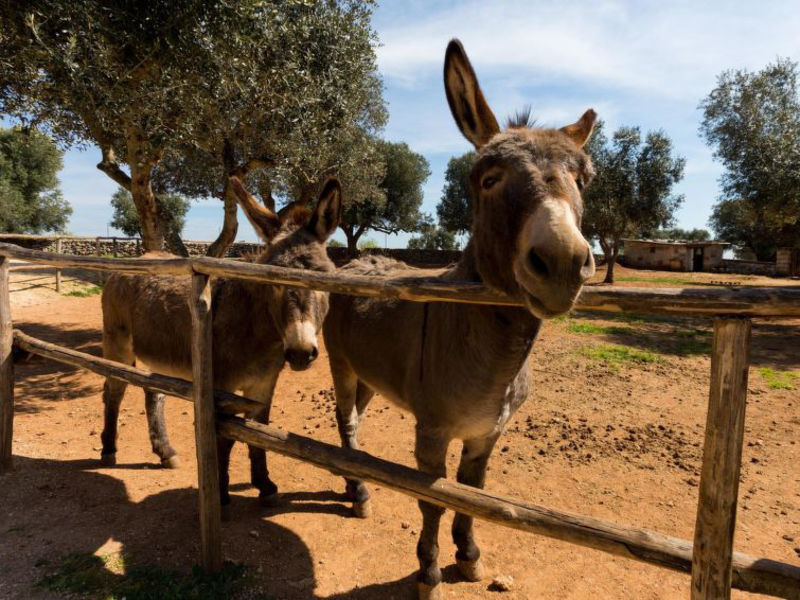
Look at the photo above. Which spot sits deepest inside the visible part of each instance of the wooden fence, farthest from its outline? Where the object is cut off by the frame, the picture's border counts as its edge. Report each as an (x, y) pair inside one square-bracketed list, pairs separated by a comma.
[(713, 565)]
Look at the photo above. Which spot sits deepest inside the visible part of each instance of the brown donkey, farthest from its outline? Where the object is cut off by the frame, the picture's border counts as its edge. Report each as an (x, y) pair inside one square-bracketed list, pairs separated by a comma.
[(462, 369), (257, 327)]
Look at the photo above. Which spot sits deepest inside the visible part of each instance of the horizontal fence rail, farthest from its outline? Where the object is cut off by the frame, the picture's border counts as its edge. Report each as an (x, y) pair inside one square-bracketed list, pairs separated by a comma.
[(753, 302), (751, 574)]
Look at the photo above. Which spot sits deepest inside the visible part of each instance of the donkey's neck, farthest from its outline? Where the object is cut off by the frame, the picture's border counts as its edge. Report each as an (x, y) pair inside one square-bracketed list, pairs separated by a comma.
[(497, 339)]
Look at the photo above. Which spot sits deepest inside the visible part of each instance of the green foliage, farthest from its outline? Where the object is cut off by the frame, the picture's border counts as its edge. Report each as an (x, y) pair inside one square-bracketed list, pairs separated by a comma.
[(676, 233), (433, 237), (368, 244), (631, 194), (166, 86), (126, 218), (779, 380), (332, 243), (752, 120), (30, 201), (455, 209), (391, 206), (88, 576)]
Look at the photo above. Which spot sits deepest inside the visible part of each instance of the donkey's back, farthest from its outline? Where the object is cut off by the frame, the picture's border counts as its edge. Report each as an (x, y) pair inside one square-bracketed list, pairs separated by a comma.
[(146, 319)]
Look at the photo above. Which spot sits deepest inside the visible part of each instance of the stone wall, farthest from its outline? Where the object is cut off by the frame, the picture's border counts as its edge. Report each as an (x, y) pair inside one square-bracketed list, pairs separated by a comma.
[(127, 247), (746, 267)]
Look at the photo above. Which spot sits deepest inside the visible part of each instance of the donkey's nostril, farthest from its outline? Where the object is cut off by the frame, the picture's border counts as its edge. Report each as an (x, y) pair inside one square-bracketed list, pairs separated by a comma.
[(300, 359), (588, 261), (536, 263)]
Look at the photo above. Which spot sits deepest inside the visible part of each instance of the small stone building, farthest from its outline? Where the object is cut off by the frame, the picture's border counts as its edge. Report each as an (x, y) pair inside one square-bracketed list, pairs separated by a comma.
[(673, 255)]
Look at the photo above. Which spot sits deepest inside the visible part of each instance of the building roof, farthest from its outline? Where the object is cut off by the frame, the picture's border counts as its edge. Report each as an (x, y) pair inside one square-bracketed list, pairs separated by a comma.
[(691, 243)]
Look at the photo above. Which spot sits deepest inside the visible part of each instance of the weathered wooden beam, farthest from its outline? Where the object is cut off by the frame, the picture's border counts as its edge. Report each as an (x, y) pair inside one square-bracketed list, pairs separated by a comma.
[(6, 369), (722, 461), (749, 573), (172, 386), (772, 301), (753, 302), (156, 266), (204, 424)]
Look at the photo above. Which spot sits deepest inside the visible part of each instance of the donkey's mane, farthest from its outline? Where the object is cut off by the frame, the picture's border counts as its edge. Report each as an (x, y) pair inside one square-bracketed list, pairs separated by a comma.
[(522, 118)]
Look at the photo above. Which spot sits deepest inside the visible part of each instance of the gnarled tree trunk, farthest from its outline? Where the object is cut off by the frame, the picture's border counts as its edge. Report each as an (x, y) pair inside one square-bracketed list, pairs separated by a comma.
[(230, 225)]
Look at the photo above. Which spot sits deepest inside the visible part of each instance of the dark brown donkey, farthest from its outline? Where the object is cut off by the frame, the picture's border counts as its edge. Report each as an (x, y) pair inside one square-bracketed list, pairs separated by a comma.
[(462, 369), (257, 327)]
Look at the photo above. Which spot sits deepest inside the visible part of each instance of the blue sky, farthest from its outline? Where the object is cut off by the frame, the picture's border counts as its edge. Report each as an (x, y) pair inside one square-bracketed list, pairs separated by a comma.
[(636, 63)]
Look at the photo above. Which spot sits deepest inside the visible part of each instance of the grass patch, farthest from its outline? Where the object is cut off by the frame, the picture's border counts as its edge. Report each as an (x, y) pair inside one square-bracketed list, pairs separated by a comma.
[(88, 575), (619, 355), (92, 290), (592, 328), (669, 281), (779, 380)]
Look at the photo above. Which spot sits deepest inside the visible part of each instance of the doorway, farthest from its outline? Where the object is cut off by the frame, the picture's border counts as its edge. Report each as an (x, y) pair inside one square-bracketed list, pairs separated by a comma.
[(697, 263)]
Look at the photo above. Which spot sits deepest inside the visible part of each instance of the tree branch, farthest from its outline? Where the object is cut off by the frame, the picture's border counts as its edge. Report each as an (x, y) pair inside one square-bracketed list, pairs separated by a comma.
[(110, 167)]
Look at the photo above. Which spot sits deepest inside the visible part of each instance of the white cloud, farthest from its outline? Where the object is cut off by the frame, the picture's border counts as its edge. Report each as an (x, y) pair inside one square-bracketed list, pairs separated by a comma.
[(672, 49)]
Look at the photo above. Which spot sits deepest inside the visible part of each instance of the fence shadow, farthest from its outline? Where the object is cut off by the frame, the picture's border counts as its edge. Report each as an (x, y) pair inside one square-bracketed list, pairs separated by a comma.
[(55, 508)]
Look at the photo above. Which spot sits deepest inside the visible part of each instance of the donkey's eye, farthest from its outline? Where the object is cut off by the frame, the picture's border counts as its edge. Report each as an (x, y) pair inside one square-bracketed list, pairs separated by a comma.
[(488, 182)]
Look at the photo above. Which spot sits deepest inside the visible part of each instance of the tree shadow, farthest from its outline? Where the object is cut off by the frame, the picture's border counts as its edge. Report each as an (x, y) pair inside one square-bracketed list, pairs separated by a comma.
[(774, 343), (39, 381), (52, 509)]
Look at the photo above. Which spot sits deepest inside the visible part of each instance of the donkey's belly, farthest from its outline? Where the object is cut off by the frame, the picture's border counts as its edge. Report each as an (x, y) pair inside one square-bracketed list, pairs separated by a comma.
[(155, 365)]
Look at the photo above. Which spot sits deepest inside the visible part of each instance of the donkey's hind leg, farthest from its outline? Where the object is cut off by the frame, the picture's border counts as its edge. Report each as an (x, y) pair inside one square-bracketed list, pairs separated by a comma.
[(117, 346), (157, 427), (113, 391), (471, 471), (352, 398)]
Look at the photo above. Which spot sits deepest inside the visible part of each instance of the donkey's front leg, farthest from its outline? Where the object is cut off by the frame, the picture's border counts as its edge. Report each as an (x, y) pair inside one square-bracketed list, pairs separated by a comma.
[(471, 471), (157, 427), (259, 473), (352, 398), (431, 454)]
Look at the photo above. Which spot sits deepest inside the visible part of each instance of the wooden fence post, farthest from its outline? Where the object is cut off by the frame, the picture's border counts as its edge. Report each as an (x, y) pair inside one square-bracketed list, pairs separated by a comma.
[(722, 460), (6, 368), (58, 271), (205, 424)]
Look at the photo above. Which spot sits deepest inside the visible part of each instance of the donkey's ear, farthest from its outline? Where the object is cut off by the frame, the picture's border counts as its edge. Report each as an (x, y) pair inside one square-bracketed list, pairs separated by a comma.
[(326, 216), (581, 130), (264, 221), (470, 109)]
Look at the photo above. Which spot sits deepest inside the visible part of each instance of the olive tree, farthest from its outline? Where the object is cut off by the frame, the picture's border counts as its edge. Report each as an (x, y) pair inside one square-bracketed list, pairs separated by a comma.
[(632, 191), (192, 91)]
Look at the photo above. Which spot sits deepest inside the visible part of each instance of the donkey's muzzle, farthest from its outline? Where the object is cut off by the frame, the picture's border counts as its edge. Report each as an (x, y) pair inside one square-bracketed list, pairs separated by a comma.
[(300, 359)]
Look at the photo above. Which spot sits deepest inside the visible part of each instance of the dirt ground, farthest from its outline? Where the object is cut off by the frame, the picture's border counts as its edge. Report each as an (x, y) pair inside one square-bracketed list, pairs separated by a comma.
[(614, 434)]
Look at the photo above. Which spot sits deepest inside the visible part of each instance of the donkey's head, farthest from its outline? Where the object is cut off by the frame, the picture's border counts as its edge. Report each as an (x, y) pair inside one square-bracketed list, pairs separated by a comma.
[(526, 193), (296, 238)]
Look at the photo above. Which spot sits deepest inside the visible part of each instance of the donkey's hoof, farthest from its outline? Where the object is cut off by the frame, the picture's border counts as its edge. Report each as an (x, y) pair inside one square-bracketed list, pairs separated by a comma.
[(362, 510), (471, 570), (173, 462), (269, 500), (108, 460), (427, 592), (225, 512)]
